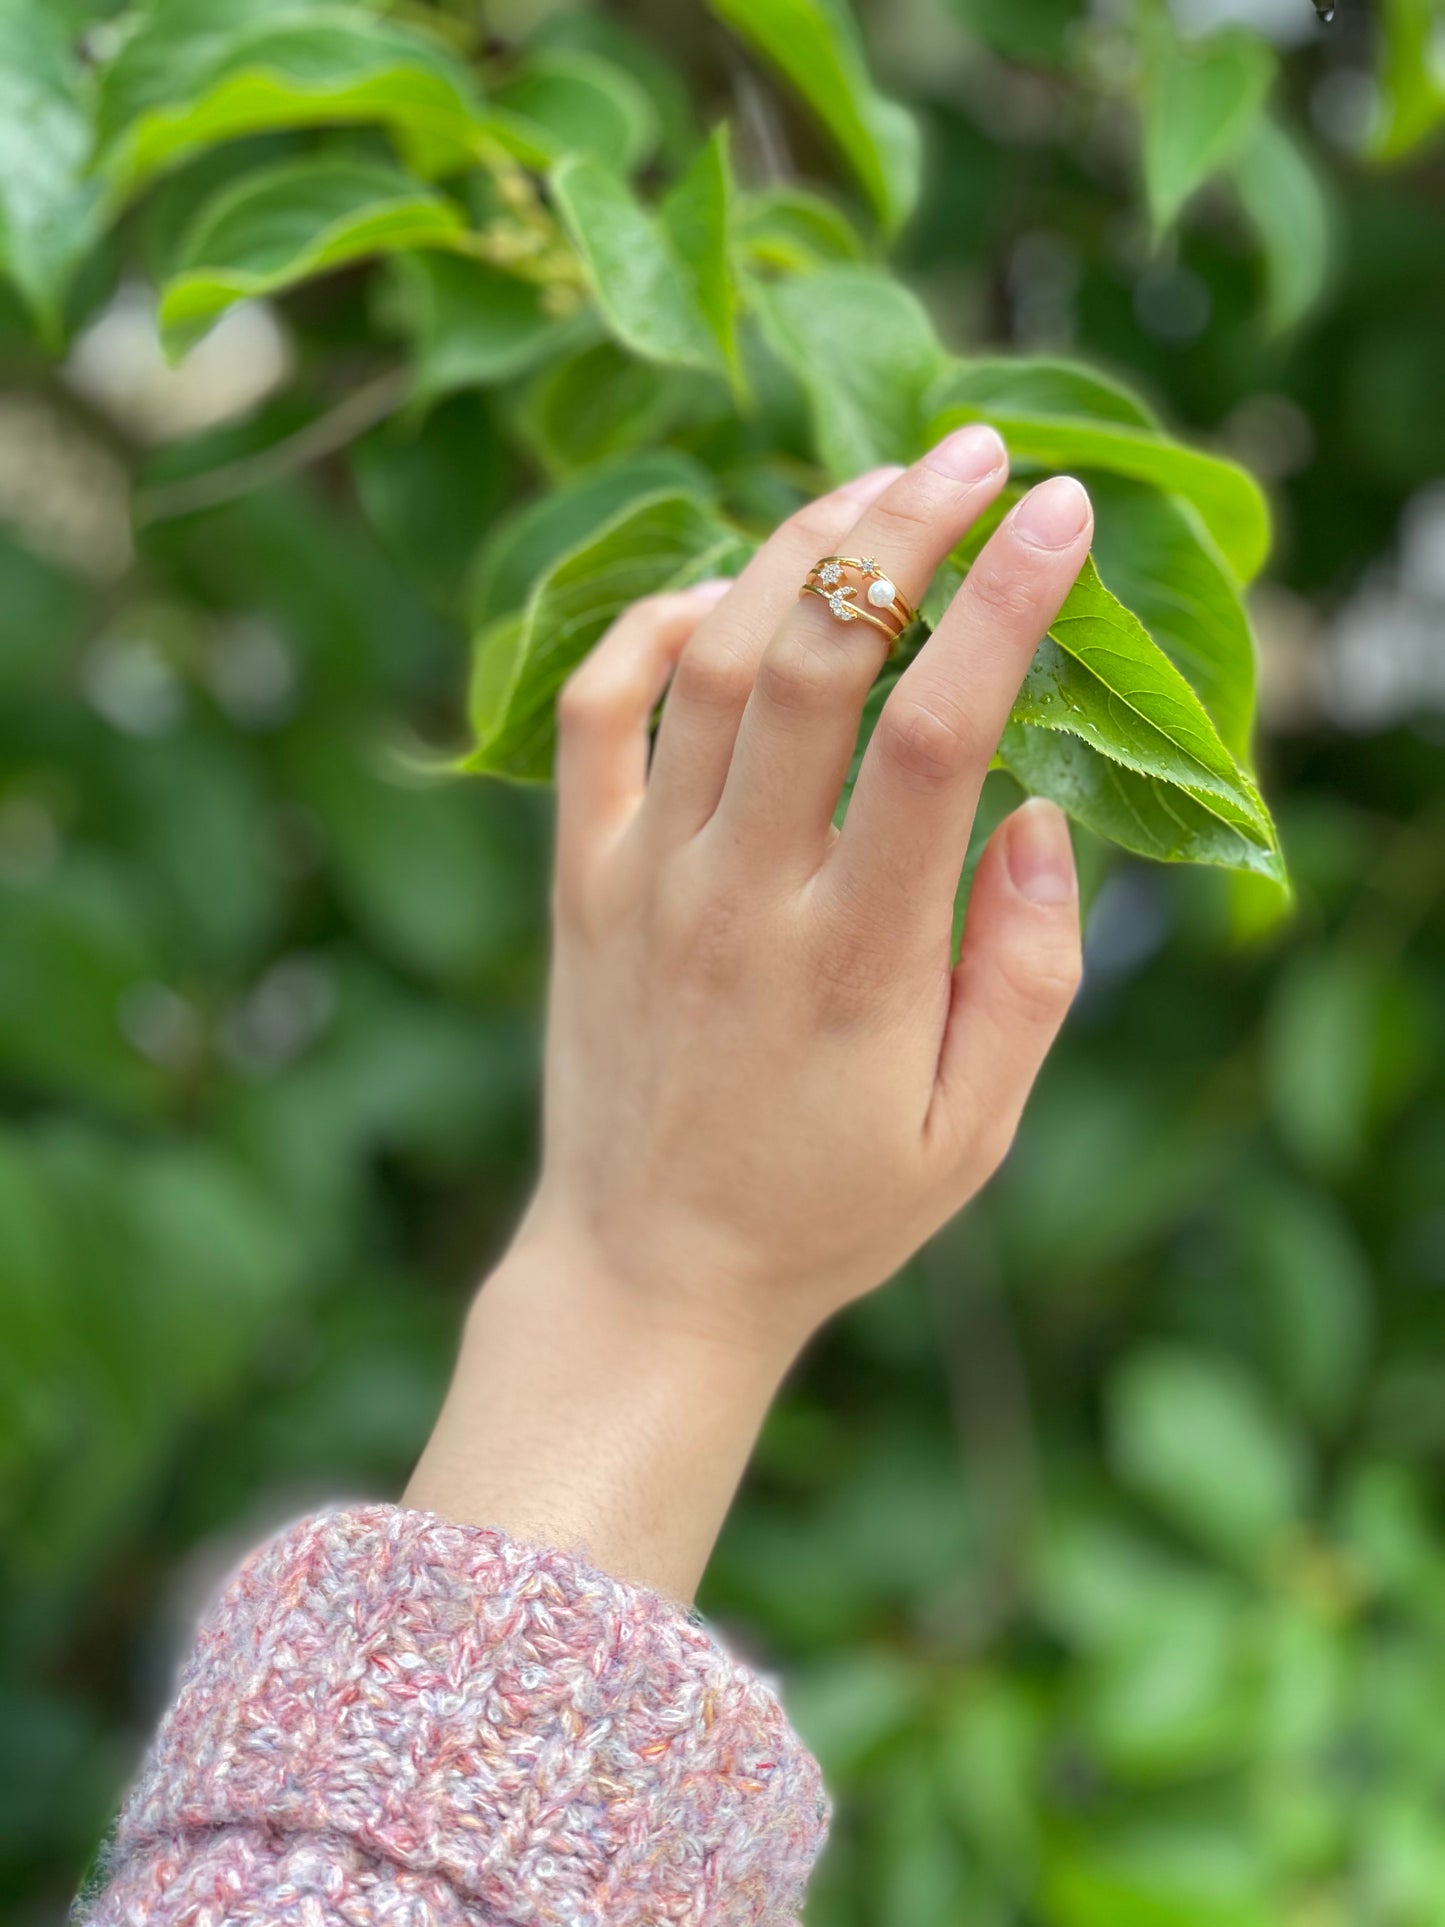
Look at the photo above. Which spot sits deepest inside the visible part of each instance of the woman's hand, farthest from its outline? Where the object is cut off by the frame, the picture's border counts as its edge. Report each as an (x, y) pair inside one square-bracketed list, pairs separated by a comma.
[(766, 1085)]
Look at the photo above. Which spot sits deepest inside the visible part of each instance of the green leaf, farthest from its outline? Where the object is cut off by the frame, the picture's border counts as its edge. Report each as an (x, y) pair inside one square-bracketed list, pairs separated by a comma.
[(1041, 33), (1158, 561), (49, 209), (1188, 1874), (1227, 500), (292, 222), (197, 72), (865, 353), (475, 326), (649, 297), (1150, 547), (1098, 677), (816, 46), (1320, 1043), (1283, 193), (522, 661), (1038, 385), (1412, 77), (1313, 1288), (575, 102), (1190, 1432), (1137, 812), (521, 546), (790, 230), (696, 214), (595, 405), (1175, 1698), (1200, 101), (428, 485), (1132, 702)]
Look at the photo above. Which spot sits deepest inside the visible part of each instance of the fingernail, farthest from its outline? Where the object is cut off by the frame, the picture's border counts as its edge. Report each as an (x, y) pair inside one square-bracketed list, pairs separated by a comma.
[(863, 488), (1039, 855), (969, 454), (1054, 514)]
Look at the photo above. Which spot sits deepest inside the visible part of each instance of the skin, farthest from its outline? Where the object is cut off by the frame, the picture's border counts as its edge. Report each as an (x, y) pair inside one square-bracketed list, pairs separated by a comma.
[(767, 1083)]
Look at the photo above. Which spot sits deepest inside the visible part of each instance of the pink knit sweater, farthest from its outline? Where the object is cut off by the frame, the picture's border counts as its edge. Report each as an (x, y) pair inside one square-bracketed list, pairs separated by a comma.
[(389, 1718)]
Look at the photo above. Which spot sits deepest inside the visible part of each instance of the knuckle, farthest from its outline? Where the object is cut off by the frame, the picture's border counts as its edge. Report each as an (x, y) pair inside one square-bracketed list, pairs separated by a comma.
[(713, 678), (706, 939), (846, 983), (905, 511), (583, 703), (1006, 591), (927, 740), (821, 524), (796, 674)]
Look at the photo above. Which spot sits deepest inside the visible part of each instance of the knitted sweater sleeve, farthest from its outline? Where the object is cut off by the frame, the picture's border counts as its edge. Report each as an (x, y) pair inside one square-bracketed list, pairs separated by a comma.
[(390, 1718)]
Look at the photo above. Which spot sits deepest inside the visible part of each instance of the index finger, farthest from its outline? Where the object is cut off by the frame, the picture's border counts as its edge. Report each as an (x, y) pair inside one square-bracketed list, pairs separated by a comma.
[(906, 833)]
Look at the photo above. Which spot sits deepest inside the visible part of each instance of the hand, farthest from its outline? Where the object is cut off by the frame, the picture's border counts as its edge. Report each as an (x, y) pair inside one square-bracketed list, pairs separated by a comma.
[(766, 1083)]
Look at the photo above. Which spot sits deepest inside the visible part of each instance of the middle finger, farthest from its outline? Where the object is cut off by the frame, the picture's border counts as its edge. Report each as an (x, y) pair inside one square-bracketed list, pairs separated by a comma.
[(801, 722)]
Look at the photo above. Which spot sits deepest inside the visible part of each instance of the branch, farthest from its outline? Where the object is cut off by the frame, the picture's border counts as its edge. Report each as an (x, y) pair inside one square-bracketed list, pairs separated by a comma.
[(351, 417)]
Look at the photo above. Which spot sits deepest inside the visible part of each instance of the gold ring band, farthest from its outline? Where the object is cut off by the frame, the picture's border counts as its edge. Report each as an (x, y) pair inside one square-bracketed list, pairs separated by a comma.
[(881, 604), (848, 612)]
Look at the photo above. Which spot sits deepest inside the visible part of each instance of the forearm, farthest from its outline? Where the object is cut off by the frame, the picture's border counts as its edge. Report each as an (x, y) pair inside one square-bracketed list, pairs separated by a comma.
[(576, 1420)]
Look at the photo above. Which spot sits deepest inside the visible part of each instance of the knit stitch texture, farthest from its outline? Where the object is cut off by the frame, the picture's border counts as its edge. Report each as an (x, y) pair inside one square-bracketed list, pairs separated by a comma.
[(391, 1718)]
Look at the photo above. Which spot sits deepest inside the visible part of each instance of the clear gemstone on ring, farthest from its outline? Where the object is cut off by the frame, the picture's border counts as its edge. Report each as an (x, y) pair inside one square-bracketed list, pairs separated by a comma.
[(842, 608), (829, 573)]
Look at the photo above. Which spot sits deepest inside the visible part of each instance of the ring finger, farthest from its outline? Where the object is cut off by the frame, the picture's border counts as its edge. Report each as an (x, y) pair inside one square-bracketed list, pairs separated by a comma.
[(715, 677), (801, 722)]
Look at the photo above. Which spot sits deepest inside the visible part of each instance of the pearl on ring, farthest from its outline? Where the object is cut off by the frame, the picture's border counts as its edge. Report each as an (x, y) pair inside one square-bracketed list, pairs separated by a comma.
[(881, 593)]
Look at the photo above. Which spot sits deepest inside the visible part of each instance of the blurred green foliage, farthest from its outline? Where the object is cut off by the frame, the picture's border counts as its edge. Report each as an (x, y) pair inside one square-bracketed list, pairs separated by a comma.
[(1103, 1549)]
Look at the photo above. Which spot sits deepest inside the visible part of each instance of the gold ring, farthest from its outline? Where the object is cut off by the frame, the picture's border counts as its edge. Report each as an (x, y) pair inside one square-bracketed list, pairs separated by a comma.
[(887, 610)]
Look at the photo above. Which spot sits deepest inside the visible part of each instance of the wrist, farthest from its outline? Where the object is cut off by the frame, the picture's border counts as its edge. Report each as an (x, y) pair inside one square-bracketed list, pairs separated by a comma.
[(580, 1417)]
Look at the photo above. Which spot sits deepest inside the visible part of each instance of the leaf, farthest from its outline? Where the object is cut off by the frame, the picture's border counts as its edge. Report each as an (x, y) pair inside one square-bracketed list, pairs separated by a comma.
[(865, 353), (49, 209), (520, 547), (696, 214), (786, 228), (289, 223), (1227, 500), (600, 403), (1200, 101), (474, 325), (1190, 1873), (1283, 192), (575, 102), (1154, 556), (1412, 78), (1038, 385), (1098, 676), (1320, 1042), (428, 485), (1136, 812), (1122, 694), (648, 296), (1041, 34), (816, 46), (1190, 1432), (522, 661), (1150, 548), (1313, 1288), (1175, 1698), (197, 72)]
